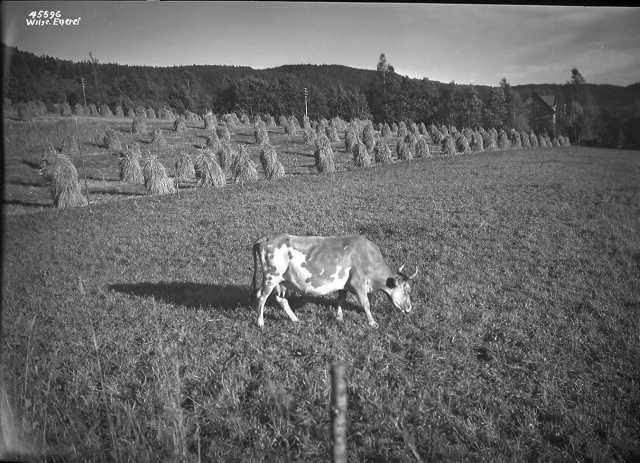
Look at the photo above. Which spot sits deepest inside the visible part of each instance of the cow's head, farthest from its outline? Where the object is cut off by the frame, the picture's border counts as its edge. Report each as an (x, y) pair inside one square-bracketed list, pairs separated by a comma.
[(398, 288)]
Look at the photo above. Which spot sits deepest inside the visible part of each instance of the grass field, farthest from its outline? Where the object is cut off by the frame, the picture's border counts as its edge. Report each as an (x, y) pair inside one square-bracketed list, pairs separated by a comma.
[(26, 191), (128, 334)]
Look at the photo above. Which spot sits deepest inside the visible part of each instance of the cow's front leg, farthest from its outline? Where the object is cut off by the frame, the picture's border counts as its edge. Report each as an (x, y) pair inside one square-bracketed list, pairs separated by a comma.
[(284, 303), (342, 302), (364, 301)]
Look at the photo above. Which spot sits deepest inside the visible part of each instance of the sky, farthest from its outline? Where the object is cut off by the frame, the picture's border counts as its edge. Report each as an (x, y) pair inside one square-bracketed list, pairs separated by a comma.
[(478, 44)]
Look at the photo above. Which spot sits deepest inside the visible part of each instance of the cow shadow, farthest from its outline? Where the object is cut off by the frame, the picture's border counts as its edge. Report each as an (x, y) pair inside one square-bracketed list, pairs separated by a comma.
[(191, 295), (218, 297)]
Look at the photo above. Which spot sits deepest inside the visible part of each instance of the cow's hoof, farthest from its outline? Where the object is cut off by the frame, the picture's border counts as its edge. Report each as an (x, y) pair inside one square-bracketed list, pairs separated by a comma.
[(261, 324), (340, 318), (373, 324)]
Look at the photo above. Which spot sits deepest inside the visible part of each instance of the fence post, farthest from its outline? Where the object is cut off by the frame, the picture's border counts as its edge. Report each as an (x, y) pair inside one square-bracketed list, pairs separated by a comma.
[(338, 413)]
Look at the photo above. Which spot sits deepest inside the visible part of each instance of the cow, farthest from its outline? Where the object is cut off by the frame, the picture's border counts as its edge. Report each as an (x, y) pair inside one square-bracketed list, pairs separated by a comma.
[(320, 265)]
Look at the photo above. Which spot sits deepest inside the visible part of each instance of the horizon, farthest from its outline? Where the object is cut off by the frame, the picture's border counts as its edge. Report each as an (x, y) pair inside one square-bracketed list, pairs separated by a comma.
[(331, 64), (535, 44)]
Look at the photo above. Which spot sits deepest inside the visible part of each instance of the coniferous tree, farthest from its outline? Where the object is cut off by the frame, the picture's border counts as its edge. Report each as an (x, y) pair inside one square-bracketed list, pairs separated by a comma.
[(581, 109)]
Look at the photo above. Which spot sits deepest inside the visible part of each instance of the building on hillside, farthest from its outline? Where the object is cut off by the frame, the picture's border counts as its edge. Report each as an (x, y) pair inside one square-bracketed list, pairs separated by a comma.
[(542, 113)]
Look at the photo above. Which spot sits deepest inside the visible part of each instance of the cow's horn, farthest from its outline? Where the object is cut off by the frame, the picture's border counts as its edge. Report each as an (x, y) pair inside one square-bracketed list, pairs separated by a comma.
[(414, 274), (400, 269)]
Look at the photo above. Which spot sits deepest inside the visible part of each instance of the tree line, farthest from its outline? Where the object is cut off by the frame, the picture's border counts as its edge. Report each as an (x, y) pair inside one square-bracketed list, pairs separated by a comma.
[(380, 95)]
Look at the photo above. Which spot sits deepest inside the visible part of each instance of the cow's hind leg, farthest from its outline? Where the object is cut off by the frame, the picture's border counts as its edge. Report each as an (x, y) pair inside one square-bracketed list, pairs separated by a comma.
[(263, 294), (284, 303)]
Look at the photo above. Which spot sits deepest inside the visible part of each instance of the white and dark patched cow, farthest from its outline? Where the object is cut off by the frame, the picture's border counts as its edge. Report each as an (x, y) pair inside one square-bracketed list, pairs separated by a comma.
[(319, 265)]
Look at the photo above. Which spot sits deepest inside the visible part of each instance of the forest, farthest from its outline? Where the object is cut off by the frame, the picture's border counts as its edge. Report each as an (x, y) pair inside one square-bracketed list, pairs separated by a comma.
[(599, 115)]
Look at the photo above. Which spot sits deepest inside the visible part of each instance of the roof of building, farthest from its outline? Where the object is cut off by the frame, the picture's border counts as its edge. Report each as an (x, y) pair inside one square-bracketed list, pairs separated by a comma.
[(547, 100), (550, 100)]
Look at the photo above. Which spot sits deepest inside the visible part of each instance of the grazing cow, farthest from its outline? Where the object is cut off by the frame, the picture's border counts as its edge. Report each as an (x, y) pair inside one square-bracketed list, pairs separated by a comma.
[(320, 265)]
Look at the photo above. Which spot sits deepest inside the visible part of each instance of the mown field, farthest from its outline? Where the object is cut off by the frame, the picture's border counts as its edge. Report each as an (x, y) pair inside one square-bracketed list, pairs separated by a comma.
[(98, 169), (128, 334)]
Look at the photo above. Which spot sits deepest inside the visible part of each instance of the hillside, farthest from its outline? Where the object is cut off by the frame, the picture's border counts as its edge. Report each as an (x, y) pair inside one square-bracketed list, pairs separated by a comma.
[(31, 77), (213, 76)]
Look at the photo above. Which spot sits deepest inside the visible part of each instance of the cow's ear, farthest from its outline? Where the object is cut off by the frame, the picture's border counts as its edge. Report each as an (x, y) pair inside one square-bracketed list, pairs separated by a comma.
[(391, 282)]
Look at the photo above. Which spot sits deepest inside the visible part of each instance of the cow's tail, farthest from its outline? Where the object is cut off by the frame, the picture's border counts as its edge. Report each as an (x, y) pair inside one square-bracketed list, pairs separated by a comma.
[(256, 262)]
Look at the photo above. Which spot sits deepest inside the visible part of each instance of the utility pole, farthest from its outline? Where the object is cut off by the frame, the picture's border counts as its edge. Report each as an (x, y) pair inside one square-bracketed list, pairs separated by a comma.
[(94, 63), (84, 97), (306, 94)]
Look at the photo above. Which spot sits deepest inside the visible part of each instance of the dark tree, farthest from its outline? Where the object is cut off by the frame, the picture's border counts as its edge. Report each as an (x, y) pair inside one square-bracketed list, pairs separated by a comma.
[(581, 110)]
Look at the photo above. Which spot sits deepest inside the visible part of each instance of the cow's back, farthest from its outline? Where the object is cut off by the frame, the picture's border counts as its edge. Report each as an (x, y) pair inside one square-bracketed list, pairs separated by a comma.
[(316, 264)]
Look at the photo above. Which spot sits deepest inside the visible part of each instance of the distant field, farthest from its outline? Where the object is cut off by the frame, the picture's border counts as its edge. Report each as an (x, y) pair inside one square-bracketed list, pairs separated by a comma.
[(26, 191), (128, 334)]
